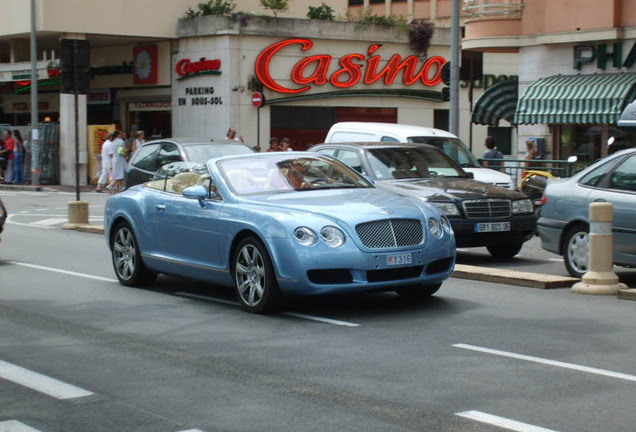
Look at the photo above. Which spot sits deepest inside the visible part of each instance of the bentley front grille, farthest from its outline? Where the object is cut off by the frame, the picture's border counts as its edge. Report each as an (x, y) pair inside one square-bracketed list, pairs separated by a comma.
[(390, 233)]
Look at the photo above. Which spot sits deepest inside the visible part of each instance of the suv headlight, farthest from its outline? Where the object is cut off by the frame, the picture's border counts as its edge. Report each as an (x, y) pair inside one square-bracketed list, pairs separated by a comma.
[(435, 227), (448, 209), (522, 206), (333, 236)]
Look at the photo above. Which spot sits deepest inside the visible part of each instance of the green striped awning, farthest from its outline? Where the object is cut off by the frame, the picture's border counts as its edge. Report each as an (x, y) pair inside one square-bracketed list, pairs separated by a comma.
[(576, 99), (496, 103)]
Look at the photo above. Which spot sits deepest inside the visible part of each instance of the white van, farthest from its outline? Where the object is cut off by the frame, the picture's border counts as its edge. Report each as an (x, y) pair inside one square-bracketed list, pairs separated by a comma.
[(445, 141)]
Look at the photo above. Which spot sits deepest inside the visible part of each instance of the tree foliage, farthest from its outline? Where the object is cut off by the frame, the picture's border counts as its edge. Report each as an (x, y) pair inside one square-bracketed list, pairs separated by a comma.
[(323, 12), (420, 34), (212, 7), (276, 6)]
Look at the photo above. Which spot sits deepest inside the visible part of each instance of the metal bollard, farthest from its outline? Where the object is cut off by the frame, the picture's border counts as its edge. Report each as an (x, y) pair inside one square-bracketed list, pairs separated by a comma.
[(600, 279), (77, 214)]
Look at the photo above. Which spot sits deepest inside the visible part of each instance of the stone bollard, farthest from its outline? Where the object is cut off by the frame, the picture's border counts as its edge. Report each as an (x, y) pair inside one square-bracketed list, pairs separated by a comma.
[(600, 278), (77, 214)]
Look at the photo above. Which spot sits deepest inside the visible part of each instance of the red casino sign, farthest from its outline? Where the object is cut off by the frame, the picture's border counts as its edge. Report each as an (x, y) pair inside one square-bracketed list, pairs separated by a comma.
[(351, 69)]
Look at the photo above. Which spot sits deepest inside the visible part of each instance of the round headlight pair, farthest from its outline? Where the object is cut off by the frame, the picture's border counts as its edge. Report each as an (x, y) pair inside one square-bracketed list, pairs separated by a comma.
[(331, 235)]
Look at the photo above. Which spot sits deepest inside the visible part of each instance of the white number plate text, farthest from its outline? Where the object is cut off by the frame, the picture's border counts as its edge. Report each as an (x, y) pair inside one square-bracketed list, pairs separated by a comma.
[(399, 259), (492, 226)]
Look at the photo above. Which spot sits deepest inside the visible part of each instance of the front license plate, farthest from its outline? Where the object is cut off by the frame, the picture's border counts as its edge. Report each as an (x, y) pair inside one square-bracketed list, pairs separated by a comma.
[(492, 226), (400, 259)]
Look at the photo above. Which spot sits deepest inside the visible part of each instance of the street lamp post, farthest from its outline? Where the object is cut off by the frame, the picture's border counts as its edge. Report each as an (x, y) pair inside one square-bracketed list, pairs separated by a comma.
[(35, 132)]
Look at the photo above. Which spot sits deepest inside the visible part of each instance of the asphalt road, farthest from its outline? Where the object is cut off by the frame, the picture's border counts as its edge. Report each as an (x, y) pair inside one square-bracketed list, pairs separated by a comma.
[(182, 356)]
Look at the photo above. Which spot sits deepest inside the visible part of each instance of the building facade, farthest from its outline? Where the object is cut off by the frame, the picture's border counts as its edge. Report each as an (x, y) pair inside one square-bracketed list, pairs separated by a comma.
[(178, 76), (576, 75)]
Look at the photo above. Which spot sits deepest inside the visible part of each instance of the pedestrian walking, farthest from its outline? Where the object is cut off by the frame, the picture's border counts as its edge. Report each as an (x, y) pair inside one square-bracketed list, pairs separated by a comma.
[(18, 157), (492, 153), (141, 138), (273, 144), (107, 161), (232, 135), (119, 163), (7, 154), (285, 145)]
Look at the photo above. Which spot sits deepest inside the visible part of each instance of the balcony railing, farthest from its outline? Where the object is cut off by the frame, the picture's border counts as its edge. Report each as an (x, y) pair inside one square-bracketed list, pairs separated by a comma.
[(503, 8)]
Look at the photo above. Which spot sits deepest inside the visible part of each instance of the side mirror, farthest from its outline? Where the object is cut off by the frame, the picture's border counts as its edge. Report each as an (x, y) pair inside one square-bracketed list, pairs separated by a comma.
[(197, 192), (481, 161), (573, 159), (470, 175)]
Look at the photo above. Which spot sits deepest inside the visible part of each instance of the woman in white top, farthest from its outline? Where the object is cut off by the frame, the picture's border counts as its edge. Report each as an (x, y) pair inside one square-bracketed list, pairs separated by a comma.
[(119, 163)]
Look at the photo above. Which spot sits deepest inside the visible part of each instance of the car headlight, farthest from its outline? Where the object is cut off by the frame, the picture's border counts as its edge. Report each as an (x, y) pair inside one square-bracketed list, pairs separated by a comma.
[(522, 206), (447, 225), (305, 236), (435, 227), (333, 236), (448, 209)]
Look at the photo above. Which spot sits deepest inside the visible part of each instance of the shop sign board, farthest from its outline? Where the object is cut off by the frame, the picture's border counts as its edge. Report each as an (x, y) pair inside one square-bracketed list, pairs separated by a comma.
[(350, 69), (187, 68), (602, 55)]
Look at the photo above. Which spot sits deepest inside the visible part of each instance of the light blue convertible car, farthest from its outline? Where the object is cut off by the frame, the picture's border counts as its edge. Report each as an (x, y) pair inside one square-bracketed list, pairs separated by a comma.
[(277, 224)]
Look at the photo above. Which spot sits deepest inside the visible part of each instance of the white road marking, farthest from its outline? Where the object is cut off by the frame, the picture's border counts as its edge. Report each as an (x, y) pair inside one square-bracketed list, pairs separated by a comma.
[(40, 383), (292, 314), (320, 319), (502, 422), (189, 430), (49, 221), (16, 426), (67, 272), (548, 362)]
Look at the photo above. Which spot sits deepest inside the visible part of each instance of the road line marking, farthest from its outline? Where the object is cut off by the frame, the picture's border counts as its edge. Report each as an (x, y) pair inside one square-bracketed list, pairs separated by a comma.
[(49, 221), (556, 259), (548, 362), (67, 272), (502, 422), (189, 430), (320, 319), (41, 383), (292, 314), (16, 426)]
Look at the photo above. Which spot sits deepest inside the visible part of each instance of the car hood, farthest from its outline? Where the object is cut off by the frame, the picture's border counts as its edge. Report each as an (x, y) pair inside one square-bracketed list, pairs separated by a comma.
[(447, 189), (489, 175), (351, 205)]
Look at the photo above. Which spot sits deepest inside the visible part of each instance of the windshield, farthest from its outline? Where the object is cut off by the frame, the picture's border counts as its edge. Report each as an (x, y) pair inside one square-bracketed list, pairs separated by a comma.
[(274, 173), (205, 151), (410, 163), (452, 147)]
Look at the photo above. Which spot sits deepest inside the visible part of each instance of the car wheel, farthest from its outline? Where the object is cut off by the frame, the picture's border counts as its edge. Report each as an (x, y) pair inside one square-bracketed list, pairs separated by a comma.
[(418, 292), (127, 262), (254, 278), (576, 250), (504, 251)]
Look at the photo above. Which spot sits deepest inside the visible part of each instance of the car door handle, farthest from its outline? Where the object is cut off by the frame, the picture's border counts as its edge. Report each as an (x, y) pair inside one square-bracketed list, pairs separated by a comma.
[(160, 207), (600, 200)]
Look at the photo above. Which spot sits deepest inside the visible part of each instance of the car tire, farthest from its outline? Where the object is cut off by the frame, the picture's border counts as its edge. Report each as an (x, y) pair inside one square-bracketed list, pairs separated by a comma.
[(418, 292), (576, 250), (126, 256), (254, 278), (504, 251)]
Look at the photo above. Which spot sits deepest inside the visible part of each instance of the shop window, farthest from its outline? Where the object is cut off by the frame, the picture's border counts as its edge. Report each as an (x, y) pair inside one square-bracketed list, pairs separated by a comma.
[(503, 138)]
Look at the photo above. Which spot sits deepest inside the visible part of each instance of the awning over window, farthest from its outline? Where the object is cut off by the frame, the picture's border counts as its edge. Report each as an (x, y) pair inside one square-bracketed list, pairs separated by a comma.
[(496, 103), (576, 99)]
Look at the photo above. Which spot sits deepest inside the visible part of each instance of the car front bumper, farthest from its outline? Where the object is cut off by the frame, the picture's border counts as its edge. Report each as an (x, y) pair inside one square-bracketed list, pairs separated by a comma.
[(522, 228)]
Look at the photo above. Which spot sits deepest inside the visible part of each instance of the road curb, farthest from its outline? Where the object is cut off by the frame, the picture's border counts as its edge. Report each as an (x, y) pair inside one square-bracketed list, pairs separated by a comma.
[(627, 294), (512, 277), (95, 229)]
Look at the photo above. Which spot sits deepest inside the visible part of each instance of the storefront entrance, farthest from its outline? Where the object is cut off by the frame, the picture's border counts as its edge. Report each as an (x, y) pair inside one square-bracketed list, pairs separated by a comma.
[(305, 126)]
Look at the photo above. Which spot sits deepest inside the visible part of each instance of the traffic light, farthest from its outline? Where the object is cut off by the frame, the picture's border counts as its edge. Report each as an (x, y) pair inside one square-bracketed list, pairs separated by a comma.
[(445, 94), (75, 65), (445, 73)]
